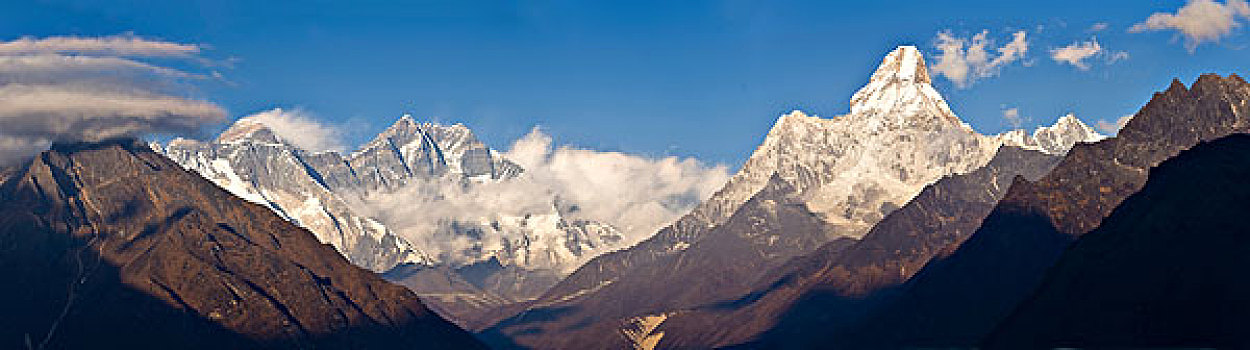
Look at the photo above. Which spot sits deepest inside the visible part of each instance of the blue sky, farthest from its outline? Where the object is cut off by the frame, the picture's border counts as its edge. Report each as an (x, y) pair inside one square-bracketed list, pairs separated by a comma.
[(688, 78)]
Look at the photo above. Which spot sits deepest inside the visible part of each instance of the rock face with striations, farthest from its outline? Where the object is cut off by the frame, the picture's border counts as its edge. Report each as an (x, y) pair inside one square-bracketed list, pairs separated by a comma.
[(117, 246)]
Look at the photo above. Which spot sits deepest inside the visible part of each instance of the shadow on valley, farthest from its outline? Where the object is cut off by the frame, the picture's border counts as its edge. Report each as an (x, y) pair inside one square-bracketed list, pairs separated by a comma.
[(498, 340), (953, 301)]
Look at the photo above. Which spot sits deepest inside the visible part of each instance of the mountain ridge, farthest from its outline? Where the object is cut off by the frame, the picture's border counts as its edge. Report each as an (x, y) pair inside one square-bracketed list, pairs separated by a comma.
[(1035, 221), (848, 171), (1160, 271)]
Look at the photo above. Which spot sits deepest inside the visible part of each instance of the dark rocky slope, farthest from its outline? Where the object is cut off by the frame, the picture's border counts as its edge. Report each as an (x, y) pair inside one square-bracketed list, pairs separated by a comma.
[(110, 245), (1165, 269)]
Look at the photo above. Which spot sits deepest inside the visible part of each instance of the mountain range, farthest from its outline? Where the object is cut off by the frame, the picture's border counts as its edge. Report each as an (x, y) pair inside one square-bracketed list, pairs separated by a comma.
[(506, 259), (812, 181), (517, 254), (1022, 276)]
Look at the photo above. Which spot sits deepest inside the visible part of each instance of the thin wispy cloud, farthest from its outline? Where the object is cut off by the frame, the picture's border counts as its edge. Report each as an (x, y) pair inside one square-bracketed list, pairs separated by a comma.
[(1111, 127), (963, 61), (71, 88), (301, 129), (1116, 56), (1081, 54), (1098, 27), (1012, 117), (1199, 21), (1077, 53), (124, 45)]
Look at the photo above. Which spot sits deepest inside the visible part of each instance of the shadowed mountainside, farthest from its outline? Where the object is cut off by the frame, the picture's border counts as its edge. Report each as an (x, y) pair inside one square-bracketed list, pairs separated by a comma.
[(116, 246), (1163, 270)]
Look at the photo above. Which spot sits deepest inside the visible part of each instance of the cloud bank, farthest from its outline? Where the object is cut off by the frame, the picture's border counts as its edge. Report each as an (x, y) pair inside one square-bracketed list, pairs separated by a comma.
[(965, 60), (637, 195), (94, 88), (1199, 21)]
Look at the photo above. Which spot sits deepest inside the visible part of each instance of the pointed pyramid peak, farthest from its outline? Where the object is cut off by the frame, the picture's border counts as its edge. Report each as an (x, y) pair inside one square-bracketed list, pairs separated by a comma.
[(1070, 120), (901, 88), (904, 63), (1073, 124)]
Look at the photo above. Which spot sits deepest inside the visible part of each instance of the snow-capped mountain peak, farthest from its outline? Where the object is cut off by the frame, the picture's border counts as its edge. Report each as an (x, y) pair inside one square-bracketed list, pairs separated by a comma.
[(899, 136), (249, 129), (338, 197), (904, 63), (900, 92), (1055, 139)]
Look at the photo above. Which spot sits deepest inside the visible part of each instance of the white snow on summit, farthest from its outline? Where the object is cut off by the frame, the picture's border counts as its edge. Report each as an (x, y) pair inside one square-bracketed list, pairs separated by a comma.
[(899, 136), (1056, 139)]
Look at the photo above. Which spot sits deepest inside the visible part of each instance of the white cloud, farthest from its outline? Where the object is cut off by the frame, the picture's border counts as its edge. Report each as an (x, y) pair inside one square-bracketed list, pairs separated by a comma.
[(1098, 27), (966, 60), (1112, 127), (1012, 116), (1077, 53), (94, 88), (1198, 21), (637, 195), (301, 129), (125, 45)]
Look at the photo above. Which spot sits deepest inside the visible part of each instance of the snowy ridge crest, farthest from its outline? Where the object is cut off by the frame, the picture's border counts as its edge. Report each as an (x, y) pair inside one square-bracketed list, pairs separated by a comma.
[(1056, 139), (331, 195), (899, 136)]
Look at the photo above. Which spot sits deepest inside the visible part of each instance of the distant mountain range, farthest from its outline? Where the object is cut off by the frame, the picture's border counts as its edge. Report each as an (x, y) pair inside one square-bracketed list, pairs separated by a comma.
[(516, 255), (112, 245)]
